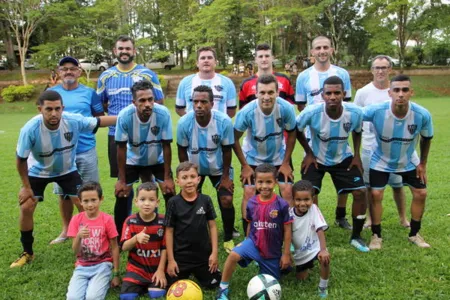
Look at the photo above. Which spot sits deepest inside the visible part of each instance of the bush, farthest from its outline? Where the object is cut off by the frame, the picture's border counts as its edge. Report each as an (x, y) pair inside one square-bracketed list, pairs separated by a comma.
[(17, 93), (225, 73), (83, 80), (162, 81)]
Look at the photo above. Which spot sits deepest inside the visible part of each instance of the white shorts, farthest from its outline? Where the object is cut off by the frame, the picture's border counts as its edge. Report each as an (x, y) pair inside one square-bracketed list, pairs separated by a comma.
[(395, 180)]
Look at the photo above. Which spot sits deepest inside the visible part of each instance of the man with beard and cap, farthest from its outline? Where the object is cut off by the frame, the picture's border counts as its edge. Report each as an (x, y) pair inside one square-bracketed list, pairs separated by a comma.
[(83, 100), (114, 88)]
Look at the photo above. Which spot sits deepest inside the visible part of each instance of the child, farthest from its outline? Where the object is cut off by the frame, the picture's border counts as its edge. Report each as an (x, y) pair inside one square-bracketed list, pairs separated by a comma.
[(189, 217), (95, 243), (308, 235), (270, 228), (143, 237)]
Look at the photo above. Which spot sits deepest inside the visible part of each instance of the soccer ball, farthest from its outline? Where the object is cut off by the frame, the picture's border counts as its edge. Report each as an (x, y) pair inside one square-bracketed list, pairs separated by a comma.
[(184, 290), (263, 287)]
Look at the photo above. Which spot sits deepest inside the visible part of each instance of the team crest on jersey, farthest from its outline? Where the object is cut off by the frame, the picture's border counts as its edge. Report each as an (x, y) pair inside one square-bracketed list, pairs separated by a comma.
[(68, 136), (218, 88), (160, 232), (136, 78), (347, 126), (279, 122), (215, 138), (273, 213), (155, 130), (412, 128)]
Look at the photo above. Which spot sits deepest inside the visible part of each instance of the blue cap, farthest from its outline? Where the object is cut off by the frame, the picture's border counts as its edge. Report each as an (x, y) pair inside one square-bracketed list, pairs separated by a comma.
[(68, 59)]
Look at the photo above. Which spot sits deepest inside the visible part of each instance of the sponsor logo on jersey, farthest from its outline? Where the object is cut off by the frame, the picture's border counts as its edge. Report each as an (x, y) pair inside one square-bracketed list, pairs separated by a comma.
[(260, 225), (412, 128), (148, 253), (155, 130), (68, 136), (200, 211), (218, 88)]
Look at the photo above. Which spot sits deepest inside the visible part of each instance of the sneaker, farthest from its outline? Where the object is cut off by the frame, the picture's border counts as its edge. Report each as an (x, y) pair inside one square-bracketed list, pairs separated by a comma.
[(222, 294), (236, 233), (228, 246), (323, 292), (343, 223), (23, 259), (359, 244), (419, 241), (375, 242)]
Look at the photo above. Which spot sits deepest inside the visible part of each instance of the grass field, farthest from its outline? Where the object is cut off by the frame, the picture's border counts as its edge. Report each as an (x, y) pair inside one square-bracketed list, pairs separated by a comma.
[(399, 271)]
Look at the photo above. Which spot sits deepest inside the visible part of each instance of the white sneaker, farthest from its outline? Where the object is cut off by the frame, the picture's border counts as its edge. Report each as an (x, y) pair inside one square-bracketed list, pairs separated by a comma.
[(419, 241), (375, 242)]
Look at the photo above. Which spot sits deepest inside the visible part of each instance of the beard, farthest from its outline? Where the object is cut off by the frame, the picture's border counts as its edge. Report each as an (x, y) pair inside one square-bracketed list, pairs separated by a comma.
[(130, 58)]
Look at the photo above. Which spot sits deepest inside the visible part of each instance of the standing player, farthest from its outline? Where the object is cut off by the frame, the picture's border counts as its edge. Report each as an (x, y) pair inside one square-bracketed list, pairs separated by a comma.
[(397, 125), (330, 124), (309, 91), (265, 120), (223, 88), (51, 138), (143, 137), (205, 137), (375, 92), (264, 60), (83, 100), (114, 87)]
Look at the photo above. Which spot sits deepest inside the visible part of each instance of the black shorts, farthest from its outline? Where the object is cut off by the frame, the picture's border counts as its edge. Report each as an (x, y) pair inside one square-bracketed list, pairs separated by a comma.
[(69, 183), (141, 289), (280, 176), (344, 181), (306, 266), (215, 181), (200, 272), (379, 179), (145, 173), (112, 156)]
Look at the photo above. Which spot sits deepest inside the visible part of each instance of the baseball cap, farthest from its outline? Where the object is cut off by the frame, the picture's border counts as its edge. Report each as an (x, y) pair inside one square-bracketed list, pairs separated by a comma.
[(68, 59)]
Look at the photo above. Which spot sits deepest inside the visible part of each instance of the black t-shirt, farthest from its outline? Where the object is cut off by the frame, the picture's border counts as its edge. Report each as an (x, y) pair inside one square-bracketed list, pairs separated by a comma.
[(189, 220)]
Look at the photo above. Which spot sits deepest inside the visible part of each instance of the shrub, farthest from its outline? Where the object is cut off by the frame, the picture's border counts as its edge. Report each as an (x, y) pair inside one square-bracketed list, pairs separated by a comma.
[(90, 83), (18, 93), (162, 81), (225, 73)]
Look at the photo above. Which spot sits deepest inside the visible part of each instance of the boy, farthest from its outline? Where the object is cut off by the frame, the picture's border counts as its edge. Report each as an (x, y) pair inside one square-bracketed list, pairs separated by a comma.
[(143, 237), (270, 228), (95, 243), (189, 217), (308, 235)]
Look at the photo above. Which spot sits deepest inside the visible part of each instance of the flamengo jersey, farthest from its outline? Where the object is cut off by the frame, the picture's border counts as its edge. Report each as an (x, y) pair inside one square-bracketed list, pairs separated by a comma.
[(205, 143), (247, 92), (304, 234), (53, 151), (266, 220), (143, 259), (329, 138), (309, 84), (82, 100), (223, 89), (114, 88), (264, 142), (144, 140), (397, 138)]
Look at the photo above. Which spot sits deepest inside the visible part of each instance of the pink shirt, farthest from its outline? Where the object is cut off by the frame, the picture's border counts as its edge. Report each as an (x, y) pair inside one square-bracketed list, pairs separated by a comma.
[(94, 249)]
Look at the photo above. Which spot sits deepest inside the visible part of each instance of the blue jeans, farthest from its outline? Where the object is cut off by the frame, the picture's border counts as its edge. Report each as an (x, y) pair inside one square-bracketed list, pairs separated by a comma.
[(90, 283)]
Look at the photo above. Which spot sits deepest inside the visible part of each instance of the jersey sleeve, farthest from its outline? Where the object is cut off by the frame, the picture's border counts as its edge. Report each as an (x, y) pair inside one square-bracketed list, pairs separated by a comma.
[(210, 212), (358, 119), (96, 105), (231, 95), (289, 118), (127, 232), (359, 98), (368, 113), (151, 76), (74, 224), (241, 123), (318, 219), (180, 101), (303, 120), (182, 134), (121, 134), (227, 132), (101, 89), (87, 124), (110, 226), (25, 143), (427, 126), (170, 218), (300, 94), (287, 217), (167, 127), (347, 86)]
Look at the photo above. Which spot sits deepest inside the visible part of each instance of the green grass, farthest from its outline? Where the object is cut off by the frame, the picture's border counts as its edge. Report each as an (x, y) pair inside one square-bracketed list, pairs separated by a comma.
[(399, 271)]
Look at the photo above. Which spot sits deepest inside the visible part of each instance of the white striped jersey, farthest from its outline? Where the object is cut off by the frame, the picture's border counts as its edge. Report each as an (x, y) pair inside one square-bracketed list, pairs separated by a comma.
[(223, 89), (205, 143), (52, 153), (329, 137), (397, 138), (144, 140), (264, 142), (309, 84)]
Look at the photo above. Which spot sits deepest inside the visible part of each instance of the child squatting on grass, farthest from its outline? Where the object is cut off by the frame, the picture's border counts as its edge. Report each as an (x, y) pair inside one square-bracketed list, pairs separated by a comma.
[(95, 244), (308, 235), (143, 237)]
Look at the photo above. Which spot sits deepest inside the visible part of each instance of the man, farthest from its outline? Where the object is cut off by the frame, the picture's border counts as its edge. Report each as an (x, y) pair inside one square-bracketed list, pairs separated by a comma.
[(397, 125), (114, 88), (51, 138), (205, 137), (143, 136), (330, 125), (264, 60), (83, 100), (265, 120), (309, 88), (223, 88), (375, 92)]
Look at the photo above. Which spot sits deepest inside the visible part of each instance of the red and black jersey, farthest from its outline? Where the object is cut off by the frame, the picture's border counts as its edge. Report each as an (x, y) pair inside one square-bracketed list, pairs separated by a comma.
[(247, 92), (143, 260)]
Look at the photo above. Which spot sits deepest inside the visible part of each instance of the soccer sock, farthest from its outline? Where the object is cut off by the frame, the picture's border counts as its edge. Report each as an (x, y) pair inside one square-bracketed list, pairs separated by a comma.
[(27, 239), (323, 284), (415, 227), (244, 226), (376, 229), (128, 296), (340, 212), (120, 213), (358, 223), (228, 223), (156, 293), (224, 285)]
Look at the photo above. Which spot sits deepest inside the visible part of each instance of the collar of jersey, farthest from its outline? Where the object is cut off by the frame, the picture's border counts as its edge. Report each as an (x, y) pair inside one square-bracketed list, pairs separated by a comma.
[(266, 202)]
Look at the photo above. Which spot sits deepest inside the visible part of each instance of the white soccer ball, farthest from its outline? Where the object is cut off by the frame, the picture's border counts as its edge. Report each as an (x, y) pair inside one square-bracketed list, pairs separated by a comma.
[(263, 287)]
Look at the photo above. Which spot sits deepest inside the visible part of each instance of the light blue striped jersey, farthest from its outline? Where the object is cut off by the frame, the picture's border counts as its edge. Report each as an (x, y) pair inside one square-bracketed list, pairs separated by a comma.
[(114, 88), (144, 140), (264, 142), (397, 138), (329, 137), (82, 100), (205, 143), (52, 153), (223, 89), (309, 84)]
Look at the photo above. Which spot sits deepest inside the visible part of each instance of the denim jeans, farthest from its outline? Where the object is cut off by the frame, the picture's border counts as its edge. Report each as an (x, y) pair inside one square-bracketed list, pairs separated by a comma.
[(90, 283)]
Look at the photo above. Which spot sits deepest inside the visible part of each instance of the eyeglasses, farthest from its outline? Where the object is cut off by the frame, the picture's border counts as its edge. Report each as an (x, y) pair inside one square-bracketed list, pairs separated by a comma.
[(72, 69), (404, 90), (383, 68)]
